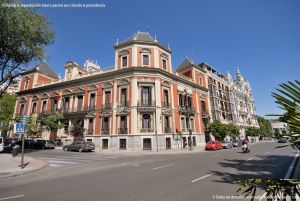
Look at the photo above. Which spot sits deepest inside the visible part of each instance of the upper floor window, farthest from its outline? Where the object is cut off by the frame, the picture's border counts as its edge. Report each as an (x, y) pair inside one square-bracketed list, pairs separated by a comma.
[(124, 97), (44, 106), (26, 84), (200, 80), (145, 59), (33, 109), (124, 61), (22, 107), (164, 64)]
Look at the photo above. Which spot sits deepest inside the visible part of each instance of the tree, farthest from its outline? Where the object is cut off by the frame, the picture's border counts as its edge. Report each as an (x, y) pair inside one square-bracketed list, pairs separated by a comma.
[(24, 36), (218, 129), (252, 131), (7, 106), (232, 130), (265, 127), (52, 123)]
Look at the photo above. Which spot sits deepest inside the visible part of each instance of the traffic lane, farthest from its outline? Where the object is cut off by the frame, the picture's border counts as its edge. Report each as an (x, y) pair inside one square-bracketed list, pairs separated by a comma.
[(160, 181)]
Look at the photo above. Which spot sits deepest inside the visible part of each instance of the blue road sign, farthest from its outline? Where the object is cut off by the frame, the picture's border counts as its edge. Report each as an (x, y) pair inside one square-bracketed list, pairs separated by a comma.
[(24, 120), (19, 128)]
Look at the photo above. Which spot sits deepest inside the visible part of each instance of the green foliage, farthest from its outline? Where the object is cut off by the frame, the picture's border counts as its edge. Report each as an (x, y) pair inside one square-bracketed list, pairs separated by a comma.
[(265, 127), (232, 130), (24, 35), (7, 106), (52, 122), (252, 131), (218, 129), (288, 99), (276, 189)]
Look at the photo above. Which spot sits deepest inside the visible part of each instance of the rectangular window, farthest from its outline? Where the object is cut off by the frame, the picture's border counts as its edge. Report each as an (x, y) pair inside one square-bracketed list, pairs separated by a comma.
[(66, 104), (124, 97), (164, 64), (166, 98), (183, 124), (54, 105), (104, 143), (146, 121), (200, 80), (124, 61), (105, 124), (22, 109), (92, 101), (123, 122), (26, 84), (146, 95), (123, 144), (107, 99), (91, 127), (147, 144), (145, 59), (79, 102), (33, 110)]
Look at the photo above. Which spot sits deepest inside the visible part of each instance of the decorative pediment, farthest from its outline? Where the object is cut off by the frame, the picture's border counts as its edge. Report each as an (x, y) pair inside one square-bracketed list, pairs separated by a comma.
[(45, 96), (124, 82), (107, 85), (35, 98), (145, 50), (164, 55), (93, 88), (90, 115), (22, 100), (27, 78), (166, 84), (79, 90), (123, 52), (67, 92), (54, 94)]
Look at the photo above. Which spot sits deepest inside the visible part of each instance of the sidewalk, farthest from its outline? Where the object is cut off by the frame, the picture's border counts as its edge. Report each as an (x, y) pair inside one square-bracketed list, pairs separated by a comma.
[(10, 166)]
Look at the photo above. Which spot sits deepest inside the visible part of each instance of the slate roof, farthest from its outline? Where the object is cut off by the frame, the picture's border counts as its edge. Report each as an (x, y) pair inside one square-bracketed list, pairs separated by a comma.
[(44, 68), (185, 64)]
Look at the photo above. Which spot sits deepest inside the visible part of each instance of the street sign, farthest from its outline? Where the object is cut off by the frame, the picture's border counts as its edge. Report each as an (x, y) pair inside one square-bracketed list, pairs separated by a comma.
[(24, 120), (19, 129)]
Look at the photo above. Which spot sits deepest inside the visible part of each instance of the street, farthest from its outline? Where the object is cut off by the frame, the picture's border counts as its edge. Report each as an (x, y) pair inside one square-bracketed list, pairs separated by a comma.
[(208, 175)]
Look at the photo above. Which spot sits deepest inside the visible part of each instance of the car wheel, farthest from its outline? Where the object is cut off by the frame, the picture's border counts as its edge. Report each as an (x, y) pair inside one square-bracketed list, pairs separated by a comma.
[(80, 149), (65, 149)]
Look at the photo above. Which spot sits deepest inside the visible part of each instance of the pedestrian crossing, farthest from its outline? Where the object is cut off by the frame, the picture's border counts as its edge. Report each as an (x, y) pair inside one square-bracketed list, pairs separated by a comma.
[(64, 160)]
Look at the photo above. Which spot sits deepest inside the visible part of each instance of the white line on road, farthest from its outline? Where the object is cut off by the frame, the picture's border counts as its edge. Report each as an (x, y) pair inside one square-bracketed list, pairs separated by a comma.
[(249, 159), (163, 166), (289, 172), (58, 161), (262, 197), (267, 152), (13, 197), (201, 178)]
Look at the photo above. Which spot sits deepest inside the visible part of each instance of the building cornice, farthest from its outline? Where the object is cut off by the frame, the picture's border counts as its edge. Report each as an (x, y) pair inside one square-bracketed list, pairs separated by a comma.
[(108, 76)]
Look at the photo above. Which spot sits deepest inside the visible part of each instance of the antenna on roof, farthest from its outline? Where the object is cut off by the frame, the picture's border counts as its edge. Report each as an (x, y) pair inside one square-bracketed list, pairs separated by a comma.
[(117, 41)]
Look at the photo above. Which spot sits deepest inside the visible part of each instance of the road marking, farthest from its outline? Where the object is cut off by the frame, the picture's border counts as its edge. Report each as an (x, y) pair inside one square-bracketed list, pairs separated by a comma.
[(289, 172), (249, 159), (267, 152), (65, 162), (262, 197), (13, 197), (156, 168), (201, 178)]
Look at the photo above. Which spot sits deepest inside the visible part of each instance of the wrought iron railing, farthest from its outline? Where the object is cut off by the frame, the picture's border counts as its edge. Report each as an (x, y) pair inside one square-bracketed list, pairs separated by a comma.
[(147, 130), (123, 130)]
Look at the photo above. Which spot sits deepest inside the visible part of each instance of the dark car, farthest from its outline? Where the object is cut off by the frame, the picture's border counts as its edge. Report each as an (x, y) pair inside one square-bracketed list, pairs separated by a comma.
[(282, 140), (45, 144), (28, 144), (237, 143), (80, 146)]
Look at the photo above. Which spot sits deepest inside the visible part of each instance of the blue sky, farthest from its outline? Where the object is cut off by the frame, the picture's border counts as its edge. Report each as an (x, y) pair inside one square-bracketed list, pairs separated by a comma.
[(261, 37)]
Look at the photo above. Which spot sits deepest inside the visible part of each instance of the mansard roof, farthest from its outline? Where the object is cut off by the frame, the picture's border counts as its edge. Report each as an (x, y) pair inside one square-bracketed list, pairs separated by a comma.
[(43, 68), (142, 38)]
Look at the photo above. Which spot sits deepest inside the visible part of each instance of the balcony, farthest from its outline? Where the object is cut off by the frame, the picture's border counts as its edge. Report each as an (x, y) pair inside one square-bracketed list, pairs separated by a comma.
[(167, 130), (106, 108), (90, 132), (147, 130), (205, 113), (186, 110), (123, 108), (105, 131), (123, 130), (146, 106), (166, 108)]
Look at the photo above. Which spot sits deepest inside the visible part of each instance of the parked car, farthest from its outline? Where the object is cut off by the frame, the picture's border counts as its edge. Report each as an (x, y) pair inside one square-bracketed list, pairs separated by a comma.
[(227, 144), (45, 144), (80, 146), (213, 145), (282, 140), (237, 143)]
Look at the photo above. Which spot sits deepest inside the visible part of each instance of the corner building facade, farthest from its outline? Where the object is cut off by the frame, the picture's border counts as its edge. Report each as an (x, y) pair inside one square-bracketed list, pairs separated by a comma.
[(138, 104)]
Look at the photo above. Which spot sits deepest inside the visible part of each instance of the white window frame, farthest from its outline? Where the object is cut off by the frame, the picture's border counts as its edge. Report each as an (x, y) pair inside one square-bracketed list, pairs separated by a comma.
[(145, 54)]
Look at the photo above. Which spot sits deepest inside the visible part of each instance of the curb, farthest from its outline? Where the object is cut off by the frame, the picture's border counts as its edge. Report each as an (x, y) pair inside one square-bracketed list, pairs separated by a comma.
[(45, 164)]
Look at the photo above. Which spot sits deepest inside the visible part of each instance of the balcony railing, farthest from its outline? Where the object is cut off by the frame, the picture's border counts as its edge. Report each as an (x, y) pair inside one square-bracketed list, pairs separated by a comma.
[(189, 110), (167, 130), (123, 130), (146, 103), (123, 104), (105, 131), (147, 130), (107, 107), (165, 104), (90, 132)]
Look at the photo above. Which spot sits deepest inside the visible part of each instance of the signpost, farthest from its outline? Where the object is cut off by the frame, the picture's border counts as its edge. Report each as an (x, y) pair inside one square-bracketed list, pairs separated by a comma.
[(20, 130)]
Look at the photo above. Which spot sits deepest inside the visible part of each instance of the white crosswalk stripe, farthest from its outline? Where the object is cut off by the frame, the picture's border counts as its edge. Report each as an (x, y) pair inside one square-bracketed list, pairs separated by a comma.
[(63, 160)]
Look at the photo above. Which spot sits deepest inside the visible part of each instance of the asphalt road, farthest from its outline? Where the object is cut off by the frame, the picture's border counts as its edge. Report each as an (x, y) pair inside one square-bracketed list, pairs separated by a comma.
[(197, 176)]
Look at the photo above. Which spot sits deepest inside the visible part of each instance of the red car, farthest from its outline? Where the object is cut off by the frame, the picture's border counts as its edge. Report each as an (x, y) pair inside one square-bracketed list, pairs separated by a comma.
[(213, 145)]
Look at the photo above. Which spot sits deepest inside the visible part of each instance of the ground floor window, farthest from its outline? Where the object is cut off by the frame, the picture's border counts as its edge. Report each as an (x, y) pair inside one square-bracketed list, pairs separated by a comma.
[(89, 140), (168, 143), (194, 141), (104, 143), (147, 144), (184, 143), (122, 143)]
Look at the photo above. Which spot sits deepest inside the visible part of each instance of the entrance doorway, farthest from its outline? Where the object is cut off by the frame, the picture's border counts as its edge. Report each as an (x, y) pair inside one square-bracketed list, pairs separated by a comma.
[(168, 143)]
